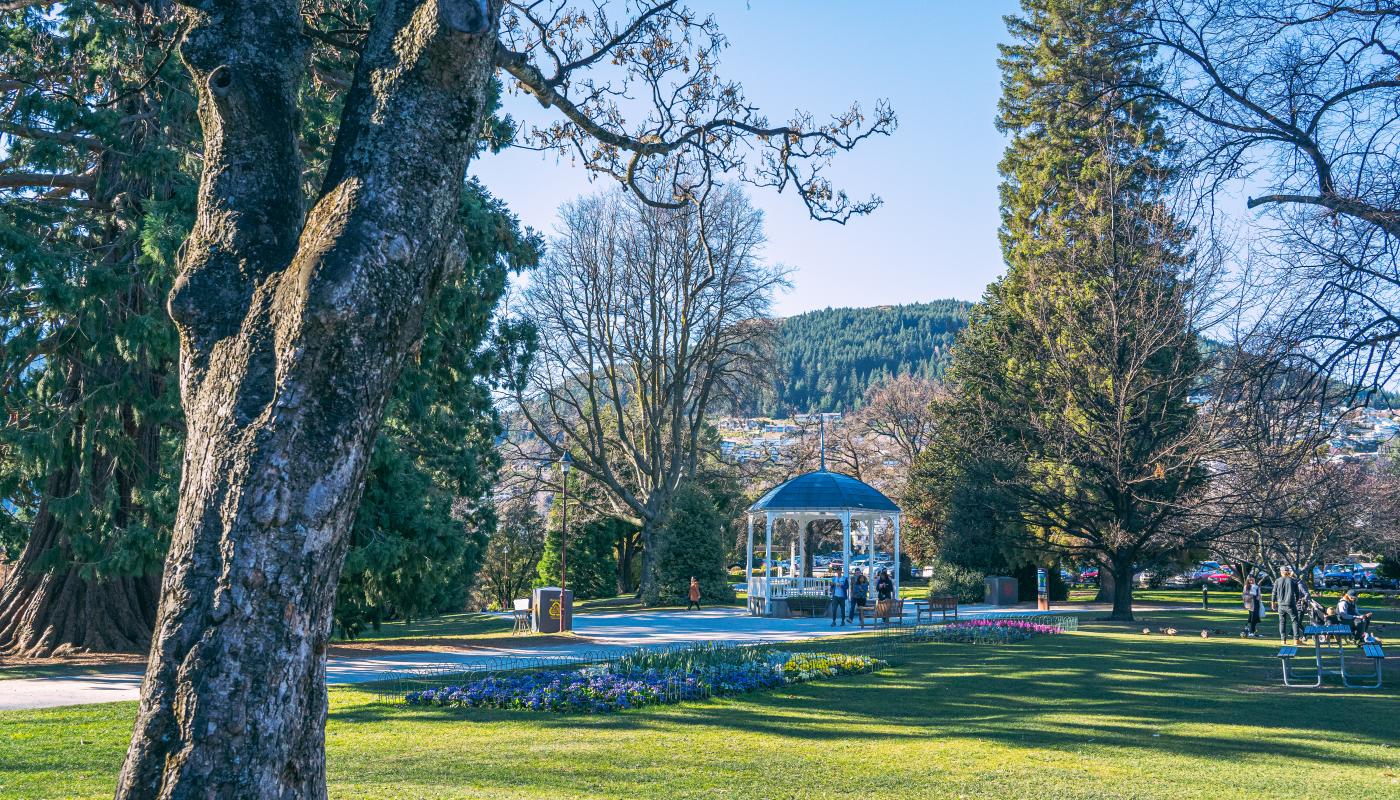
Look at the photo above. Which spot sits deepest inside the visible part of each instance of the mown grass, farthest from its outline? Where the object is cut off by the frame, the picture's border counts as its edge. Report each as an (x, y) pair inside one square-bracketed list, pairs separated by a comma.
[(1229, 599), (1106, 712), (447, 626)]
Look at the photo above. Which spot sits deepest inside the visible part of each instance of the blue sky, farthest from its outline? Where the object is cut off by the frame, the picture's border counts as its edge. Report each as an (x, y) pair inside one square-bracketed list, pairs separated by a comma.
[(935, 61)]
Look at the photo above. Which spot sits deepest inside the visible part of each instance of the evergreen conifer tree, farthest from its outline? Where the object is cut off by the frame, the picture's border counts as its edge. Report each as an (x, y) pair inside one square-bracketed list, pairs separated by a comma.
[(692, 544), (1070, 425)]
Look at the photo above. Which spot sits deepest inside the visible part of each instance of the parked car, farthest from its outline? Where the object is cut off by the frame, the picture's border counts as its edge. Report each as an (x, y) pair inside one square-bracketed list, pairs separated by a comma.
[(1338, 575)]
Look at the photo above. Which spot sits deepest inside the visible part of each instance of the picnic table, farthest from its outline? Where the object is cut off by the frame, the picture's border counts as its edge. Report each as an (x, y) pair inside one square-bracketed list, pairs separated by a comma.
[(1336, 637)]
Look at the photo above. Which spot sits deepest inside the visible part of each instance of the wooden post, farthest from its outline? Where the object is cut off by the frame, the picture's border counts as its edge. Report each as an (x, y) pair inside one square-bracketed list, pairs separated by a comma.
[(896, 556)]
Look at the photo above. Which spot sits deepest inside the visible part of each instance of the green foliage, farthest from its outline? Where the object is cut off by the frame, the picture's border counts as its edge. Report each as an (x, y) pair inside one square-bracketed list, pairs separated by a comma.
[(691, 543), (90, 422), (960, 582), (592, 555), (828, 359)]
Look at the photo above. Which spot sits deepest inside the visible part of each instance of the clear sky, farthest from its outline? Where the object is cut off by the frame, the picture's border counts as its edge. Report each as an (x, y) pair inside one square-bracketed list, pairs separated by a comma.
[(935, 60)]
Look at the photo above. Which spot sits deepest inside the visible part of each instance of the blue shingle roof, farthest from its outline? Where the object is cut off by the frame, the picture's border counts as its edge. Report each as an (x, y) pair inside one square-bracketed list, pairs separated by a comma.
[(824, 491)]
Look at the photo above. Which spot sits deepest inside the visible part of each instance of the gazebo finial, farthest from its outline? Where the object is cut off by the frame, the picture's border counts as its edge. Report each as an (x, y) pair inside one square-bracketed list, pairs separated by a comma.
[(821, 426)]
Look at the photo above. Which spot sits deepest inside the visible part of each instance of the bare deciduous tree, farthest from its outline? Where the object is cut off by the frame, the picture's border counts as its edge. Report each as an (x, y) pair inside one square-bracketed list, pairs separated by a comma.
[(647, 319), (900, 412), (1299, 102)]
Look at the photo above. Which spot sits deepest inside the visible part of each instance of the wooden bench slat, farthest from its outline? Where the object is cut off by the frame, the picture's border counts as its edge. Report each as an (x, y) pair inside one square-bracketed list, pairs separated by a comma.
[(1288, 652), (1373, 651)]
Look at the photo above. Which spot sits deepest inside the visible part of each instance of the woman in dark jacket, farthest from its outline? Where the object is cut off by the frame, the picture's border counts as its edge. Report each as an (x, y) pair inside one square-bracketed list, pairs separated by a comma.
[(884, 586), (860, 593)]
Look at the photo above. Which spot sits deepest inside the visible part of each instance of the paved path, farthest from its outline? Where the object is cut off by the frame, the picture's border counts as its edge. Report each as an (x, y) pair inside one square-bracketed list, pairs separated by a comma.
[(604, 633)]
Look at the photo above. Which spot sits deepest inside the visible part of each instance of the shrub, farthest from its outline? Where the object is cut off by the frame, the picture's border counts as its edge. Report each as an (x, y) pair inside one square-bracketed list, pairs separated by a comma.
[(960, 582)]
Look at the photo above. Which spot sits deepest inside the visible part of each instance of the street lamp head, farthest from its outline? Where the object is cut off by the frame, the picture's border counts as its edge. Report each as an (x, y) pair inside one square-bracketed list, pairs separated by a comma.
[(565, 462)]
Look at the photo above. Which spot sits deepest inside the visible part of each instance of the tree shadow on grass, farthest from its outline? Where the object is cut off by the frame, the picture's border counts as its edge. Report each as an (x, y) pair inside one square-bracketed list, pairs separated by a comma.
[(1062, 692)]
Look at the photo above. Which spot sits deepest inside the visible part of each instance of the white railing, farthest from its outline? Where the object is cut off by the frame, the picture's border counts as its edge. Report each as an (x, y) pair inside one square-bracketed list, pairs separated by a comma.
[(776, 587)]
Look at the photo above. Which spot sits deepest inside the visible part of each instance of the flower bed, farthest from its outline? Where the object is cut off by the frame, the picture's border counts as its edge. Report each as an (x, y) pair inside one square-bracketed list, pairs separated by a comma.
[(622, 685), (987, 631)]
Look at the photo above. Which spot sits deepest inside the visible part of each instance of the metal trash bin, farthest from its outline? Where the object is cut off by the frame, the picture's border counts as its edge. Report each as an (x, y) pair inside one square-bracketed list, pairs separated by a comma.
[(1001, 591), (548, 614)]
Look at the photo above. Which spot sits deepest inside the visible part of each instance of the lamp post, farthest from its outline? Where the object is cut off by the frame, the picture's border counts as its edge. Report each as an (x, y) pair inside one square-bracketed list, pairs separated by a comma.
[(565, 462)]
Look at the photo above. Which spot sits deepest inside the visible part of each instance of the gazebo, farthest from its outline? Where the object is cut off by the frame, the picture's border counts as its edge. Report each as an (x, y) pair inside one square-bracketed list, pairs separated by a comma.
[(815, 496)]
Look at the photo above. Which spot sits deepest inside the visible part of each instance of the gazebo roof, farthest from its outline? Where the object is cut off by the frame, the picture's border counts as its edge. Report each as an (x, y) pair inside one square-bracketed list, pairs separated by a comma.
[(823, 491)]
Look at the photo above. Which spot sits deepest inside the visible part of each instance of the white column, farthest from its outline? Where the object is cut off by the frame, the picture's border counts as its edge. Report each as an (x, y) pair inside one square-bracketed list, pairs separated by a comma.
[(870, 554), (768, 565), (846, 554), (896, 556), (748, 566), (801, 548)]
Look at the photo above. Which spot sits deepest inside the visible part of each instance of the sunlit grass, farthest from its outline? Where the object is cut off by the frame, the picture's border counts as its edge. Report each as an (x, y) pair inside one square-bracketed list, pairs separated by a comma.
[(1107, 712)]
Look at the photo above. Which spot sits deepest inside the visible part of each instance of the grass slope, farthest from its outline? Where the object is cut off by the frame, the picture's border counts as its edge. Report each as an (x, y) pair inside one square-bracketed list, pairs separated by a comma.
[(1106, 712)]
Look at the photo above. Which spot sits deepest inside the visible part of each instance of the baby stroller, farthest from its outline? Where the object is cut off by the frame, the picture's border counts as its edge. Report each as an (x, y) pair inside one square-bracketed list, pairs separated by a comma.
[(1318, 614)]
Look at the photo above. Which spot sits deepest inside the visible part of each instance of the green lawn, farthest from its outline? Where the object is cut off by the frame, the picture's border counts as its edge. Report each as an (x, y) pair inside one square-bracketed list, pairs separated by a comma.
[(447, 626), (1106, 712), (1229, 599)]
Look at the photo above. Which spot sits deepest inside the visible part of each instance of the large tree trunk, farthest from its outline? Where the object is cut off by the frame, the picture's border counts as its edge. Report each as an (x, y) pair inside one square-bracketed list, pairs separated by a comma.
[(1106, 584), (292, 337), (55, 610), (1122, 591)]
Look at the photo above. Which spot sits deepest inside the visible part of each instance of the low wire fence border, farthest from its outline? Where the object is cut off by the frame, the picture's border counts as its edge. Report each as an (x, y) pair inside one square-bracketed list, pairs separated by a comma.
[(885, 643)]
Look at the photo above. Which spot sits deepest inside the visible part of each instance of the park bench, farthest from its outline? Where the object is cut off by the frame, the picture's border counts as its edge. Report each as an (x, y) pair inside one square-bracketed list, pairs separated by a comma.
[(1286, 654), (886, 612), (944, 604), (1376, 653)]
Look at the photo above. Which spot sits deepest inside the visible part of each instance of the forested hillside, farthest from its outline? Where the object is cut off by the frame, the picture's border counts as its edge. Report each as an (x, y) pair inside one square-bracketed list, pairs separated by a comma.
[(828, 358)]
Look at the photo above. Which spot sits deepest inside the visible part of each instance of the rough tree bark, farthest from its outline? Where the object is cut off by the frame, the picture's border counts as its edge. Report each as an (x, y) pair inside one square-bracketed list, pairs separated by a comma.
[(57, 611), (293, 328)]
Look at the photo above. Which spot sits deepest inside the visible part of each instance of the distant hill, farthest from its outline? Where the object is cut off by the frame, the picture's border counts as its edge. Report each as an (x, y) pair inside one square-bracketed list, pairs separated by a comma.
[(827, 359)]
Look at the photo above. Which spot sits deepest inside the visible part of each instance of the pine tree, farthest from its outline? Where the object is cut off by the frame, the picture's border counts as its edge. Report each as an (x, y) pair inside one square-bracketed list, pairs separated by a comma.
[(1070, 424)]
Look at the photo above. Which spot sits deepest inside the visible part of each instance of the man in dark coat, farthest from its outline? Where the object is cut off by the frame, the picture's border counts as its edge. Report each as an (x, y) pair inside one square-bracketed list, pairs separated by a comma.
[(1289, 596)]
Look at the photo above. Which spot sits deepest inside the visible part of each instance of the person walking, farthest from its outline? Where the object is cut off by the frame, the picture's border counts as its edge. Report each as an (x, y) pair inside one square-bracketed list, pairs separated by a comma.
[(694, 594), (1289, 597), (860, 593), (1254, 605), (840, 589), (1349, 614)]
